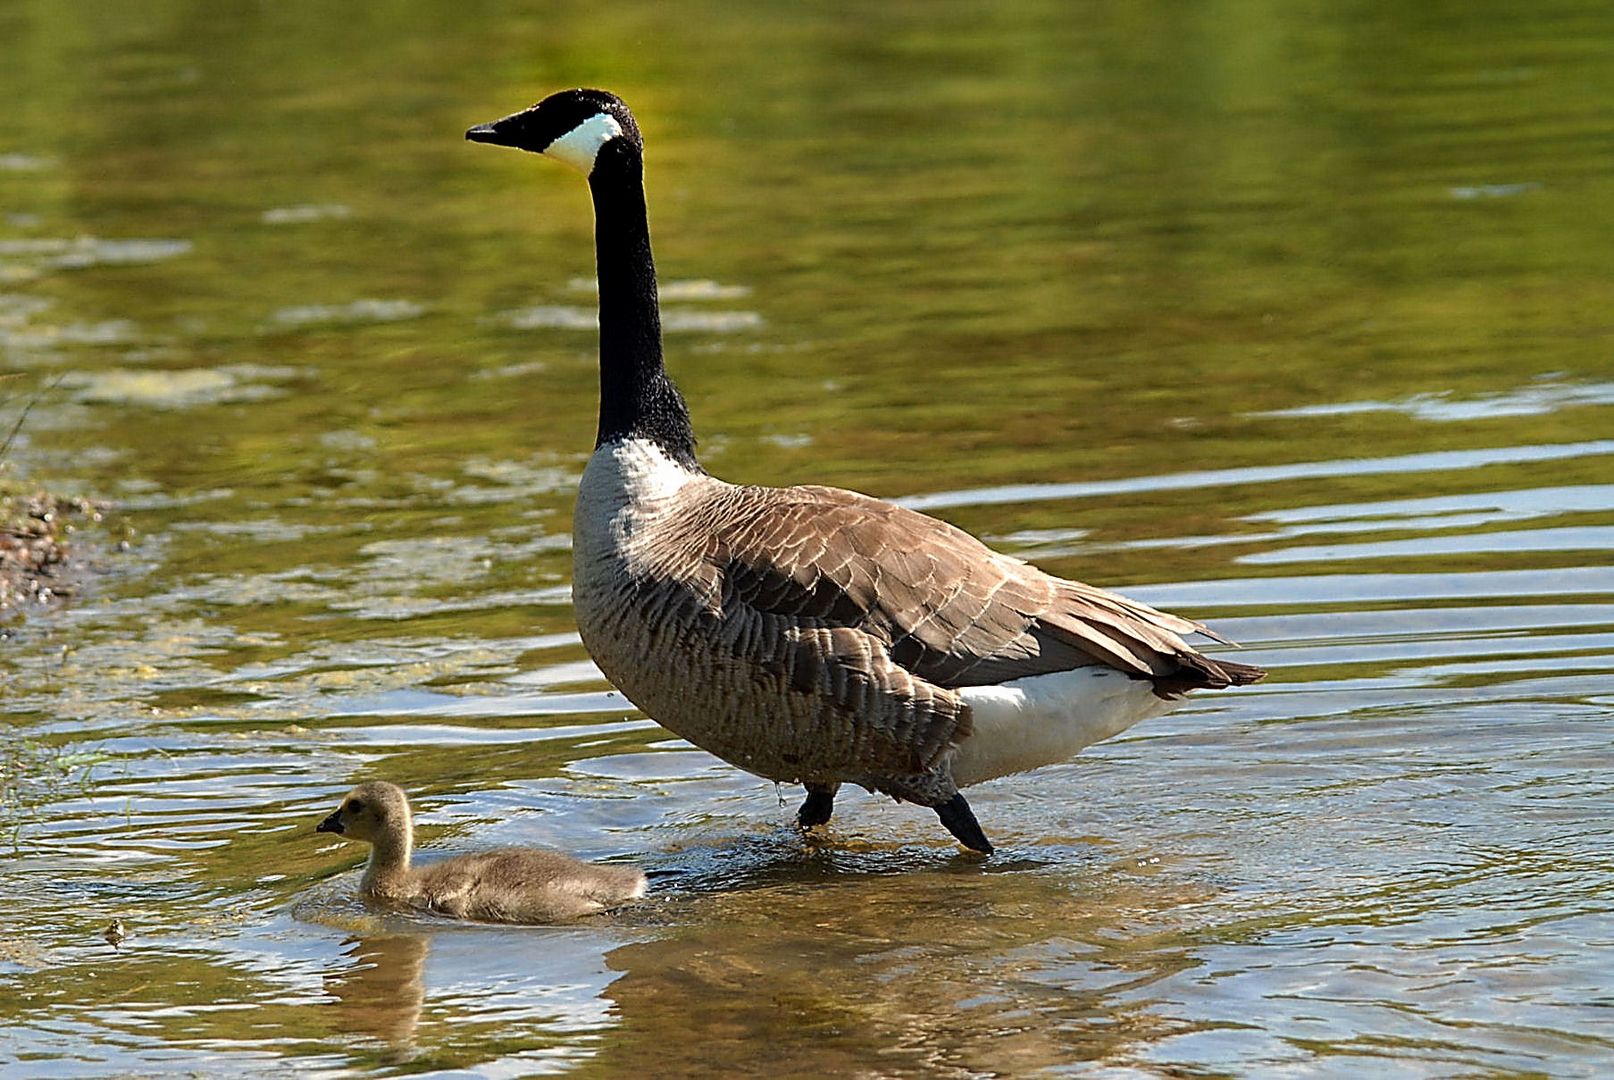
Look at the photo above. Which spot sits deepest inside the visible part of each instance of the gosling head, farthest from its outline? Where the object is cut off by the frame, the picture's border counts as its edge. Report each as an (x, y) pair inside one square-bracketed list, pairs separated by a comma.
[(579, 127), (373, 811)]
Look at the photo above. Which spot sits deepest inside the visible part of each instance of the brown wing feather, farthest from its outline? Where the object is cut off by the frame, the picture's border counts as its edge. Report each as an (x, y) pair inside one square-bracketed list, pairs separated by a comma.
[(946, 607)]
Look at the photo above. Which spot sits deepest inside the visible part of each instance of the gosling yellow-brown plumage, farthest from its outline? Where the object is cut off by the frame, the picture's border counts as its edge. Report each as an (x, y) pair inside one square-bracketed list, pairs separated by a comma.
[(511, 885)]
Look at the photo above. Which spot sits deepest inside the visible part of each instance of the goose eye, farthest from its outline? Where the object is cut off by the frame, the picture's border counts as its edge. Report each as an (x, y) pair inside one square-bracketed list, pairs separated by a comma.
[(353, 806)]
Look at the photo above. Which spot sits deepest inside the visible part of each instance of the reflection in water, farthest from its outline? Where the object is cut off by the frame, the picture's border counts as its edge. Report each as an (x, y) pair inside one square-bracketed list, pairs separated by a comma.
[(381, 993), (1546, 396), (1434, 461), (929, 972)]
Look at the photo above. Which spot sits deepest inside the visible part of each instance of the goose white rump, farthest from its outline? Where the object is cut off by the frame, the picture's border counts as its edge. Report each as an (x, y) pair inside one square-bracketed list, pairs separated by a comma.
[(1028, 723)]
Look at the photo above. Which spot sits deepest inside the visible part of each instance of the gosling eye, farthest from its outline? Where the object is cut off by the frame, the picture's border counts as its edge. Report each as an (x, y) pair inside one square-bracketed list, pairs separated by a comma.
[(353, 806)]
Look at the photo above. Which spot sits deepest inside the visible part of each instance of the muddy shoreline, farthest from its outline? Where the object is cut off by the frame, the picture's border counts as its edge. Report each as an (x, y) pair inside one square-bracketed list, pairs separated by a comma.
[(36, 527)]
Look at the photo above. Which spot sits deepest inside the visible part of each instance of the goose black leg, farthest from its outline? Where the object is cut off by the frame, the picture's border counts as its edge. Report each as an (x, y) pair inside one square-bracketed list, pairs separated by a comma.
[(956, 814), (818, 806)]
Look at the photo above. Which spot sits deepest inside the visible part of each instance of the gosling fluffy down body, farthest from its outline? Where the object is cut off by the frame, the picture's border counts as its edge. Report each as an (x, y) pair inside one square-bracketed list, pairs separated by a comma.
[(513, 885), (812, 634)]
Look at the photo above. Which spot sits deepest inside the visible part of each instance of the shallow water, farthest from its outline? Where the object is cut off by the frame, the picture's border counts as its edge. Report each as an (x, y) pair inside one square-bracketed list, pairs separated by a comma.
[(1293, 319)]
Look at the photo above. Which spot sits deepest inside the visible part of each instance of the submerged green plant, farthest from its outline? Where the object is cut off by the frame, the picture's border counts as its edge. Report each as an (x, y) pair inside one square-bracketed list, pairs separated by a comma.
[(33, 773)]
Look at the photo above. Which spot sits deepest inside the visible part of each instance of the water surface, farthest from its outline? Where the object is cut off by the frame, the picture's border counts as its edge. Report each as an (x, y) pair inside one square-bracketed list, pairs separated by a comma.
[(1292, 319)]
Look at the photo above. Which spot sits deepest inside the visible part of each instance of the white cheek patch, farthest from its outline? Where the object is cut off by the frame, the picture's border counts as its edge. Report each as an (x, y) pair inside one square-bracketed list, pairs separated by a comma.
[(581, 145)]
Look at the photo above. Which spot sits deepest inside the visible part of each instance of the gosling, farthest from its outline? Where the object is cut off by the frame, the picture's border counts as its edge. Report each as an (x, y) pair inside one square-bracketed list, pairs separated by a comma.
[(510, 885)]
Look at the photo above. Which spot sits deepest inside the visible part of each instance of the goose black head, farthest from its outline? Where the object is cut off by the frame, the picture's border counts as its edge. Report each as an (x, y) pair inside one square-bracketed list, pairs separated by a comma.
[(573, 126)]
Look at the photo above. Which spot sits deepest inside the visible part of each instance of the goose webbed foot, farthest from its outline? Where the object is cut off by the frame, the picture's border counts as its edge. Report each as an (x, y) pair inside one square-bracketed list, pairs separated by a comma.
[(959, 819), (818, 806)]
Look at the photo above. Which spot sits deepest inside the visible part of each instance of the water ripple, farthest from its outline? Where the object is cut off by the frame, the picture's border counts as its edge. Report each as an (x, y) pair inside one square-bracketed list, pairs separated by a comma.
[(1433, 461)]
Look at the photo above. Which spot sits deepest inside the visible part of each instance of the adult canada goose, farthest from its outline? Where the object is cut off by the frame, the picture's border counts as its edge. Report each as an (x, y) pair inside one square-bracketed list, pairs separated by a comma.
[(515, 885), (810, 634)]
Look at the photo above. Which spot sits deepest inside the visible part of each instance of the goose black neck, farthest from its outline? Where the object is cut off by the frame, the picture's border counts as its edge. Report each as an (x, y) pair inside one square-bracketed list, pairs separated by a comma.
[(637, 399)]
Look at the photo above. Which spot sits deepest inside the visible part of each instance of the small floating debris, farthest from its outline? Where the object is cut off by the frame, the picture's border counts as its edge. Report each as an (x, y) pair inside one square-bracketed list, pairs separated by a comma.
[(18, 308), (689, 289), (1492, 191), (20, 332), (679, 320), (122, 386), (24, 163), (109, 332), (525, 367), (528, 478), (359, 311), (347, 440), (176, 388), (29, 259), (545, 316), (703, 289), (22, 952), (673, 320), (302, 215), (84, 251)]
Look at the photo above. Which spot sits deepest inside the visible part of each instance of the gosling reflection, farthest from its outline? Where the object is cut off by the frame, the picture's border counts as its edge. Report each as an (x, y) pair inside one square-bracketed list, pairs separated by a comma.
[(382, 992)]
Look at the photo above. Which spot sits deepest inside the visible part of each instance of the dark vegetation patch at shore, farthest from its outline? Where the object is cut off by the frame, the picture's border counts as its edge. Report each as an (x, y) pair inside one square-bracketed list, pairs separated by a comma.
[(35, 527)]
